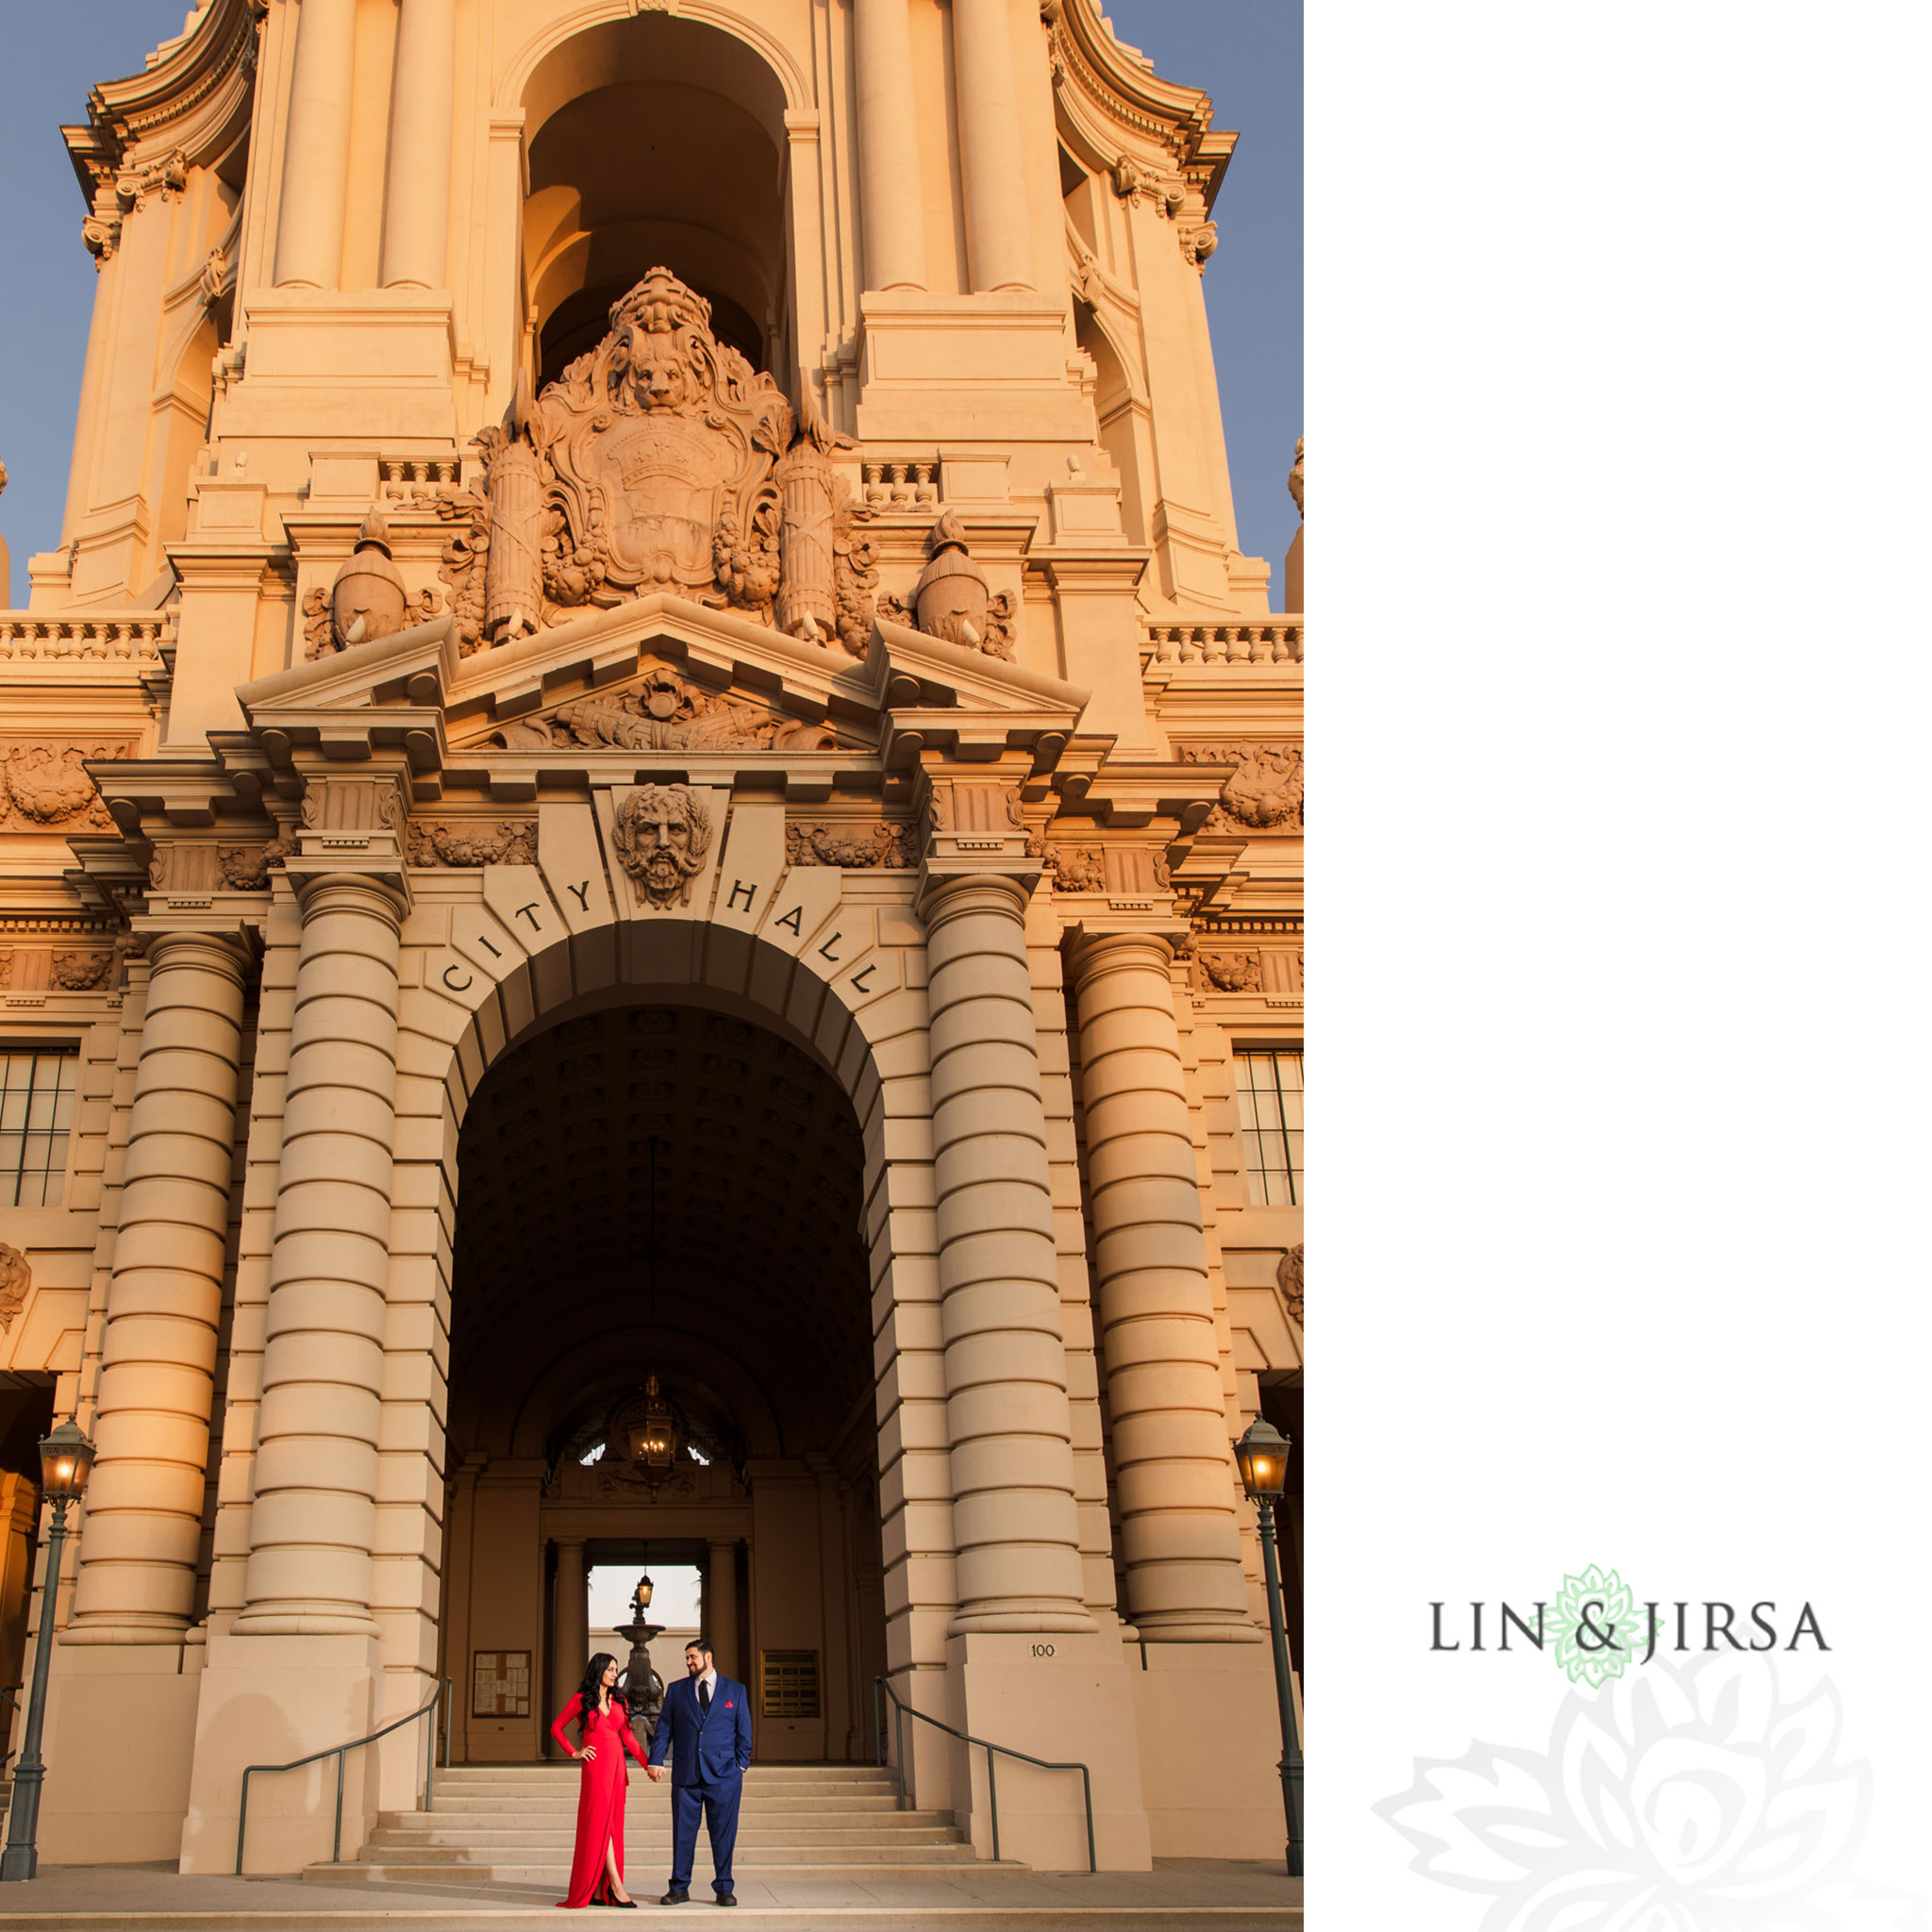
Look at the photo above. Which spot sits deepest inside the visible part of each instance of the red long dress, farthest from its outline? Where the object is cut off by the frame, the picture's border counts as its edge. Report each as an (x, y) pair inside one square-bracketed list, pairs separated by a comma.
[(600, 1795)]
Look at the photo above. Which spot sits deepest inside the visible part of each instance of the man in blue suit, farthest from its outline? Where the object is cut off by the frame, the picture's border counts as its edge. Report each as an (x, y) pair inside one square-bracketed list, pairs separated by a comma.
[(707, 1726)]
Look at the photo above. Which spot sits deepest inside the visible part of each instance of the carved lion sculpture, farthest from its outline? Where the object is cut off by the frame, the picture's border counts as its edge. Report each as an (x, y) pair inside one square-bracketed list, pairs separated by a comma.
[(663, 833)]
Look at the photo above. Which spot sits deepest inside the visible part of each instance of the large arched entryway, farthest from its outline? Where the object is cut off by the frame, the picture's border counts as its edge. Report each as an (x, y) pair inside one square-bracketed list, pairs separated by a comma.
[(669, 1191)]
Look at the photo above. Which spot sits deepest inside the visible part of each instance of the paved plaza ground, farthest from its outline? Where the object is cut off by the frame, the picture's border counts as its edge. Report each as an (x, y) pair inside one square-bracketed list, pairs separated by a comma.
[(1228, 1895)]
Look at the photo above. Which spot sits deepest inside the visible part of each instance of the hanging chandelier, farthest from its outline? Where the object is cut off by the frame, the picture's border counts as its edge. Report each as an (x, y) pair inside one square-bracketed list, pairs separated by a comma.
[(649, 1432)]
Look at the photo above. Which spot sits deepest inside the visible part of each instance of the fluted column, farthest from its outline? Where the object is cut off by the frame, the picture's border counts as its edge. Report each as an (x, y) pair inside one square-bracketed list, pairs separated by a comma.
[(415, 207), (1014, 1521), (890, 194), (142, 1534), (721, 1603), (571, 1650), (1173, 1466), (315, 155), (313, 1523), (992, 169)]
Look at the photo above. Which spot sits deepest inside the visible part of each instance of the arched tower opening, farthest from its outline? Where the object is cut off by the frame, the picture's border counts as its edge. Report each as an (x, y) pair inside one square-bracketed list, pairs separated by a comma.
[(658, 1238), (655, 141)]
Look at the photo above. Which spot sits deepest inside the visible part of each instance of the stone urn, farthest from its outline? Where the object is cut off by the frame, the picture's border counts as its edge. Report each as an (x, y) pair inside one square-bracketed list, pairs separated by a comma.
[(952, 597), (367, 599)]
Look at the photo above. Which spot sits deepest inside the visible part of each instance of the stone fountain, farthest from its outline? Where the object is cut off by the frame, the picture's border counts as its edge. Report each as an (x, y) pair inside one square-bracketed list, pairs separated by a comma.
[(642, 1687)]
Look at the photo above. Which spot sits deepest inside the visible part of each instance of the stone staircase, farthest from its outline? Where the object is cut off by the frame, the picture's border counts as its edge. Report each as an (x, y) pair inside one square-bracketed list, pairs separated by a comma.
[(516, 1824)]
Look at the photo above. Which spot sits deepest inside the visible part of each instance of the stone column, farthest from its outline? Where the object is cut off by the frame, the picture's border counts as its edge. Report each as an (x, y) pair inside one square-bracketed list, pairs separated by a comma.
[(315, 155), (892, 197), (1173, 1466), (992, 169), (143, 1533), (721, 1604), (415, 207), (571, 1649), (313, 1525), (1014, 1521)]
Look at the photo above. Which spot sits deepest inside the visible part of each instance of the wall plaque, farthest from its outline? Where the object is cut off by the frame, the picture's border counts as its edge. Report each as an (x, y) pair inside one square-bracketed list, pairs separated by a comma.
[(500, 1682), (789, 1683)]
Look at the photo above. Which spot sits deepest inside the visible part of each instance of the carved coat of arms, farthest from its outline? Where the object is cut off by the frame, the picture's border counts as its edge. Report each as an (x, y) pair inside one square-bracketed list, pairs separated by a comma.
[(660, 460)]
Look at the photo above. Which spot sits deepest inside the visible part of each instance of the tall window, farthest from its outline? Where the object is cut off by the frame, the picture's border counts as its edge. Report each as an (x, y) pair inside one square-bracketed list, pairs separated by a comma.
[(1269, 1087), (36, 1115)]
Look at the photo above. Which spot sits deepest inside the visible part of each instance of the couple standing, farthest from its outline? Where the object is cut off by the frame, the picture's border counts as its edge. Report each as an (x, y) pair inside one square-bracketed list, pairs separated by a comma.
[(705, 1725)]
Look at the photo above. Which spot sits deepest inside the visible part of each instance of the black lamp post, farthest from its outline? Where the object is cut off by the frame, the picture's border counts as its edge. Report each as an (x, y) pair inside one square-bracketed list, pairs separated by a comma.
[(66, 1459), (1262, 1455)]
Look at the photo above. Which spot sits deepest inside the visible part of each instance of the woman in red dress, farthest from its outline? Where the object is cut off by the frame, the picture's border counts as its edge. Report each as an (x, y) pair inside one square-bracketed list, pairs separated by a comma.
[(596, 1870)]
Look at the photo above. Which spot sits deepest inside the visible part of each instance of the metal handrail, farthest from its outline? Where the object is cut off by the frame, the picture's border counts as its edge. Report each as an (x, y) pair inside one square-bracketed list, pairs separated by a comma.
[(902, 1711), (340, 1753)]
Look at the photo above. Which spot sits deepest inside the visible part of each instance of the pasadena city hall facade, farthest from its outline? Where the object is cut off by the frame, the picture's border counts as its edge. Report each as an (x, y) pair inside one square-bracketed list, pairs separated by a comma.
[(649, 784)]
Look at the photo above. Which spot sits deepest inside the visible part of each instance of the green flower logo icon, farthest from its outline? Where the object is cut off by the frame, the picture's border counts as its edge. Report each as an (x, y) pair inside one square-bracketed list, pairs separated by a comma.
[(1598, 1629)]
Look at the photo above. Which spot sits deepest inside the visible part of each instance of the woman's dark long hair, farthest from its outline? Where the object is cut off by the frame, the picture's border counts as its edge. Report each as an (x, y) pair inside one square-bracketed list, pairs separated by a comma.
[(592, 1691)]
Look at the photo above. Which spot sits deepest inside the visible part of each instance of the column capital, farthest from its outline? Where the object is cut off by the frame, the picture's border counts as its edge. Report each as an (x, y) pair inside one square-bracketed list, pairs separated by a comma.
[(333, 890), (1092, 951), (213, 952), (950, 895)]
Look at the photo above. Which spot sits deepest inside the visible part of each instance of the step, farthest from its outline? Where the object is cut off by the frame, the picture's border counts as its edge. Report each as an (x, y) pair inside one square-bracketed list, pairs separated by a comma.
[(943, 1850), (357, 1873), (756, 1774), (756, 1805), (931, 1832)]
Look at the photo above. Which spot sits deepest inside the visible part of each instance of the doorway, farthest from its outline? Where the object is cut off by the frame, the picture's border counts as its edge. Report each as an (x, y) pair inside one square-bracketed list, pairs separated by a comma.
[(661, 1360)]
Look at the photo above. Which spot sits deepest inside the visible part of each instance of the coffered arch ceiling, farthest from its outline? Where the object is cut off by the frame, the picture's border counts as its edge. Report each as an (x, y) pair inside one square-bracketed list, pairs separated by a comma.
[(659, 1188)]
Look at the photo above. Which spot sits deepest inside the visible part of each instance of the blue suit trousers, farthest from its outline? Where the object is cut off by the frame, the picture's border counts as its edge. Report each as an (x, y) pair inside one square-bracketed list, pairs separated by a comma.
[(719, 1804)]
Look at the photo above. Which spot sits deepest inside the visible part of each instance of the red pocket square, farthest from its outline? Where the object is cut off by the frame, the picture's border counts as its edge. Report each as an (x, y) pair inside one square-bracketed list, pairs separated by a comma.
[(729, 1705)]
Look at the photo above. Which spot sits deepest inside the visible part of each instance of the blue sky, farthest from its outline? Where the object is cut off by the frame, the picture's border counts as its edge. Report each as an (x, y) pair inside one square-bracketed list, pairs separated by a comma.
[(1246, 53)]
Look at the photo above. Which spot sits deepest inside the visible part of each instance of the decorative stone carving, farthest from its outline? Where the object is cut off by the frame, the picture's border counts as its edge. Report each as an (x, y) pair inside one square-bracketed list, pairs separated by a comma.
[(1074, 869), (1232, 972), (503, 841), (101, 233), (48, 785), (1295, 477), (660, 460), (214, 278), (665, 713), (1265, 792), (16, 1277), (663, 833), (367, 600), (245, 868), (952, 599), (81, 972), (1199, 243), (851, 843), (1288, 1277)]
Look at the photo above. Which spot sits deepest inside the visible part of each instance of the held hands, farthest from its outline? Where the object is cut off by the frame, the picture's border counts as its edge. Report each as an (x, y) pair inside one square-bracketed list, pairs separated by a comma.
[(655, 1773)]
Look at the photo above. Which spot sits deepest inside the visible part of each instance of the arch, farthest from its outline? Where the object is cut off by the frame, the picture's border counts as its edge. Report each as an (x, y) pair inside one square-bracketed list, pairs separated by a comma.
[(689, 964), (1121, 411), (709, 1366), (701, 108), (525, 80)]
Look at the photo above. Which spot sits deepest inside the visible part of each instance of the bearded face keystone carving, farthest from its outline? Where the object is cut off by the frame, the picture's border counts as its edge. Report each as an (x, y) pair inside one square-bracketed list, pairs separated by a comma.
[(663, 833)]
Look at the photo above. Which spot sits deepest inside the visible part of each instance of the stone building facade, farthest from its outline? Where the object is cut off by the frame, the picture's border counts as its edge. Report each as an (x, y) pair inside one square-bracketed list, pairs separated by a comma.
[(649, 774)]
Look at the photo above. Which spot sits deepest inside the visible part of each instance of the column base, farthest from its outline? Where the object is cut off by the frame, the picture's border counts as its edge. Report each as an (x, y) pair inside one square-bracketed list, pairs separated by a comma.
[(1061, 1696), (267, 1700), (119, 1743), (1197, 1626), (1214, 1788)]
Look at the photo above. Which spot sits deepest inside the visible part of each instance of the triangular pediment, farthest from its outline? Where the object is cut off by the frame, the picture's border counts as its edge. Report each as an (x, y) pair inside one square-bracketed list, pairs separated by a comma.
[(657, 672)]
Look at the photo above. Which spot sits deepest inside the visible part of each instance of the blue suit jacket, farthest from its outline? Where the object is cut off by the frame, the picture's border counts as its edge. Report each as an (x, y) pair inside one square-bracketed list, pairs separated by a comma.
[(711, 1748)]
